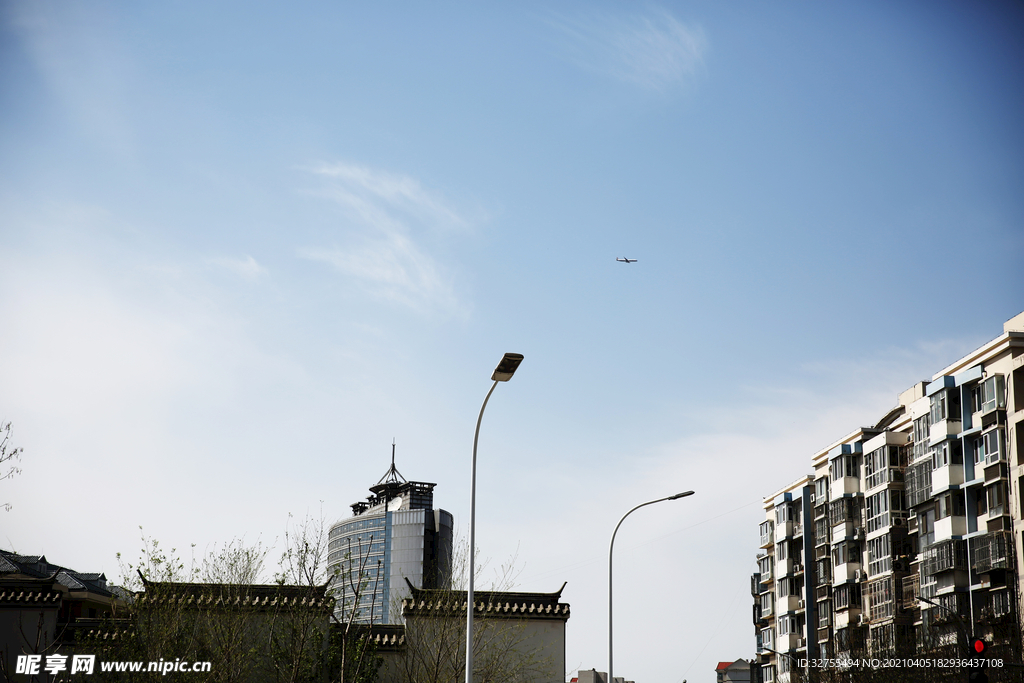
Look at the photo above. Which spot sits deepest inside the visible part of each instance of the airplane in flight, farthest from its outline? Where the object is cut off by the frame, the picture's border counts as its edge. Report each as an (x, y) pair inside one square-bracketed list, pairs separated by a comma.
[(626, 260)]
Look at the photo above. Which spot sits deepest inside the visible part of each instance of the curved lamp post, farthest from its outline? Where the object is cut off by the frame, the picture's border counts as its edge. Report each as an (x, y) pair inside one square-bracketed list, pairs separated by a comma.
[(503, 373), (611, 546)]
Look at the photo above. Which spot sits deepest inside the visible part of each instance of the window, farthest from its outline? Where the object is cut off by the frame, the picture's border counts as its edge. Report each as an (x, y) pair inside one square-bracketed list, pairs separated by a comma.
[(949, 505), (919, 483), (876, 464), (845, 466), (879, 507), (842, 511), (977, 397), (766, 532), (823, 572), (846, 596), (879, 555), (880, 598), (878, 511), (821, 489), (926, 528), (945, 405), (922, 429), (993, 445), (996, 499), (947, 453), (844, 552), (993, 393), (836, 468), (767, 600), (768, 638)]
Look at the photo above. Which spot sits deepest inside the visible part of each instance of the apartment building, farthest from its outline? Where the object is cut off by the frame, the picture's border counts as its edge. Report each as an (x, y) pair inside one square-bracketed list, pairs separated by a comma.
[(908, 535)]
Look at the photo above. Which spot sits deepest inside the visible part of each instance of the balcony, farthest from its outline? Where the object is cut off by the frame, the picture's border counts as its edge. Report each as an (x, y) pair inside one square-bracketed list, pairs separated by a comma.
[(945, 556), (911, 589), (850, 571), (790, 603), (787, 642), (946, 476), (942, 430), (995, 607), (991, 551), (844, 486), (948, 527)]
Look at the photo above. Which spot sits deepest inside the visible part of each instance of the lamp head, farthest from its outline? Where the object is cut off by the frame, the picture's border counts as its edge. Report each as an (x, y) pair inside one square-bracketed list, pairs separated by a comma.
[(681, 495), (507, 367)]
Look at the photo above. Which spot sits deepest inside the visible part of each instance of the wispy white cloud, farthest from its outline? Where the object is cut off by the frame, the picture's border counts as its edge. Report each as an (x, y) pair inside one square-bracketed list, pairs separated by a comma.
[(654, 50), (390, 214), (362, 187), (245, 267)]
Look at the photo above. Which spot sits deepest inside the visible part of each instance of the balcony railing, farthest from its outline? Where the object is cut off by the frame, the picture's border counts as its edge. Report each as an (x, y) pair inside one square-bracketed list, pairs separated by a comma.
[(991, 551), (919, 483), (911, 589), (945, 556)]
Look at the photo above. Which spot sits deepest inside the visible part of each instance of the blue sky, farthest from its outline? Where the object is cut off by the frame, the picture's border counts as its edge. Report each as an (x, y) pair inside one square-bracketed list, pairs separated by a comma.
[(244, 247)]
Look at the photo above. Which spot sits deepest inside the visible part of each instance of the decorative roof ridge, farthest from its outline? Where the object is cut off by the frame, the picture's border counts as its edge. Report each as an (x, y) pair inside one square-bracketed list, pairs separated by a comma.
[(491, 595)]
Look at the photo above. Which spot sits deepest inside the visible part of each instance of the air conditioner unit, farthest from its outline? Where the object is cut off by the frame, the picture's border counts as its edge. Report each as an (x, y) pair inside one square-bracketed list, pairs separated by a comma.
[(858, 620), (799, 604)]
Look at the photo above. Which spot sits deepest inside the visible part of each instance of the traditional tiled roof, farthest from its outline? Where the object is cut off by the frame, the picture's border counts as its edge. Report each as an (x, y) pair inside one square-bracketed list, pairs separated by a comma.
[(22, 595), (487, 604), (723, 665), (386, 637), (36, 566), (206, 595)]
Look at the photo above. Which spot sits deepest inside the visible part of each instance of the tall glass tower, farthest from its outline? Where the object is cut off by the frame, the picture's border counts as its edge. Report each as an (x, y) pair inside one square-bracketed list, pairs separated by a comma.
[(393, 536)]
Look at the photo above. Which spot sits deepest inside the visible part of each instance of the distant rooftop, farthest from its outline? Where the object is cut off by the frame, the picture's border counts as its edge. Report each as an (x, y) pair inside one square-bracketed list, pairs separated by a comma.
[(393, 485), (14, 567)]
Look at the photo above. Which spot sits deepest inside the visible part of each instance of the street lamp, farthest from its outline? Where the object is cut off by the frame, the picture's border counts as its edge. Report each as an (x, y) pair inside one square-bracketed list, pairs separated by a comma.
[(503, 373), (611, 546)]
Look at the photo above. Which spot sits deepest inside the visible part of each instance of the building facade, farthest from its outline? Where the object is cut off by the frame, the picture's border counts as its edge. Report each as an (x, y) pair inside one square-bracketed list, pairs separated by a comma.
[(396, 534), (44, 606), (908, 537)]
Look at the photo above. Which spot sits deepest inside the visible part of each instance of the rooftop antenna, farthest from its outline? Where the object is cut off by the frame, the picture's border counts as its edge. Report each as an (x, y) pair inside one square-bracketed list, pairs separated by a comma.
[(392, 476)]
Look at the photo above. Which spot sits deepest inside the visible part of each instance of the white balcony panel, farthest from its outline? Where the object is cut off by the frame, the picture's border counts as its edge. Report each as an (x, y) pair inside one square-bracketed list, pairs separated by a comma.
[(946, 476), (948, 527), (943, 429)]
